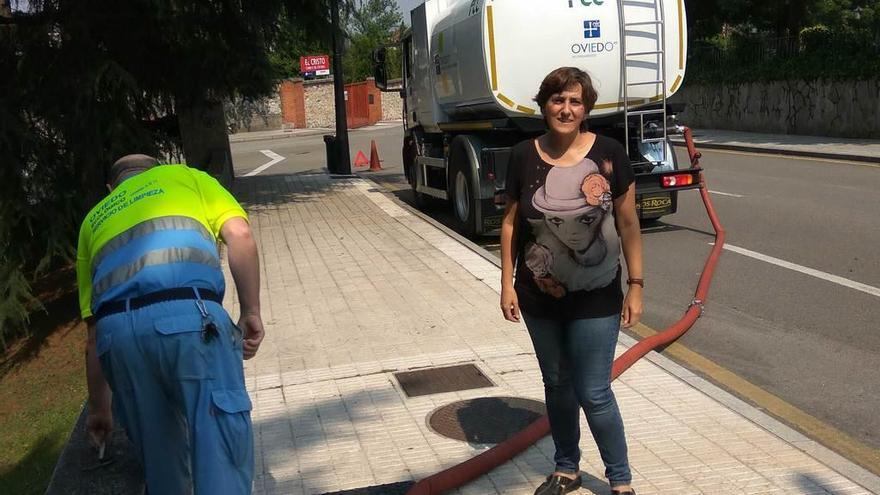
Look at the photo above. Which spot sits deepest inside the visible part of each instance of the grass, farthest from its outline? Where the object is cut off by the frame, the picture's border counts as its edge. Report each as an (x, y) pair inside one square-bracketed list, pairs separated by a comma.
[(42, 388)]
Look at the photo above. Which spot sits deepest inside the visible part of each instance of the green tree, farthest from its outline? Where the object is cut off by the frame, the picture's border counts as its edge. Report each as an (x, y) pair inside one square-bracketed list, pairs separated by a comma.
[(706, 18), (85, 82), (295, 40), (371, 24)]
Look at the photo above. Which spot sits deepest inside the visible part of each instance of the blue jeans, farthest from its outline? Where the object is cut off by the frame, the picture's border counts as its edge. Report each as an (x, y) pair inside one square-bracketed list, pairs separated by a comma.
[(575, 358), (181, 399)]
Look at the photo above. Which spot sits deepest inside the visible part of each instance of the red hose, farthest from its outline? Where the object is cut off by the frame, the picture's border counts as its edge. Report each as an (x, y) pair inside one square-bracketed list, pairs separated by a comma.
[(472, 468)]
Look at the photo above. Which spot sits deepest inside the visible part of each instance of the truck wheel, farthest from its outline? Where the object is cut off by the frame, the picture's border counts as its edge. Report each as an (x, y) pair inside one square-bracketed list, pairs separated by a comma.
[(464, 205)]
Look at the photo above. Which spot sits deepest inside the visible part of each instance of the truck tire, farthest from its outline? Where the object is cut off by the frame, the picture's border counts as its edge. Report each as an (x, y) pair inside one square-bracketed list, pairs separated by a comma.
[(462, 191)]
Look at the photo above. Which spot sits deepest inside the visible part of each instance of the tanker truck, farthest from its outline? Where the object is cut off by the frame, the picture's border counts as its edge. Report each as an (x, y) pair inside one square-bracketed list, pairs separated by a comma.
[(471, 69)]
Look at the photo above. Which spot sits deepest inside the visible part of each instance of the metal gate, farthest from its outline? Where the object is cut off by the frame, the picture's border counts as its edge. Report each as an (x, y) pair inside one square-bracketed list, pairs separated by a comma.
[(357, 105)]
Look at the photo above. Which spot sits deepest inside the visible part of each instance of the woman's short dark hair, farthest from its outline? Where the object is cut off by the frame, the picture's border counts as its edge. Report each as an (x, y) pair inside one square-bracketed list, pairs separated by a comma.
[(563, 78)]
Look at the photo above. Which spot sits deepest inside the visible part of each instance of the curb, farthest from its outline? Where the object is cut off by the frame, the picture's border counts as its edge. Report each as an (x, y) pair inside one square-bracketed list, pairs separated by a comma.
[(234, 138), (780, 151), (483, 253)]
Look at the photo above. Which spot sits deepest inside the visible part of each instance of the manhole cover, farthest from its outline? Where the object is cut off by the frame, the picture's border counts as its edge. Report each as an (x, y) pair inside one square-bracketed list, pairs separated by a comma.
[(485, 420), (439, 380)]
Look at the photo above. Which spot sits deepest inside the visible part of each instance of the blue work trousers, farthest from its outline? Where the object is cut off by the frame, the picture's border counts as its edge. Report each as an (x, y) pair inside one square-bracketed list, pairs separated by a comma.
[(575, 358), (181, 397)]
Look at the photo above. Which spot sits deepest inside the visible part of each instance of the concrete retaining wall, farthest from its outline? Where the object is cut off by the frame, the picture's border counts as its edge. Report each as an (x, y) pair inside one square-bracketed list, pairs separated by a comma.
[(817, 108)]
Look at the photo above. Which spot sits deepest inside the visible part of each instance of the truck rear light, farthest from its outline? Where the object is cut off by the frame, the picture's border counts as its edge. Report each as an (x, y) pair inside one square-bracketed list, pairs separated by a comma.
[(677, 180)]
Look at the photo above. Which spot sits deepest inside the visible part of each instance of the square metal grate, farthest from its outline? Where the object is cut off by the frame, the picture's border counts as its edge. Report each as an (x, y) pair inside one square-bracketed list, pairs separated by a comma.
[(439, 380)]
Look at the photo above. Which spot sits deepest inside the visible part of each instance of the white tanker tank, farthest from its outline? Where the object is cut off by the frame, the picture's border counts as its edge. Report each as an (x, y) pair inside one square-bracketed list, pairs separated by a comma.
[(474, 59), (471, 69)]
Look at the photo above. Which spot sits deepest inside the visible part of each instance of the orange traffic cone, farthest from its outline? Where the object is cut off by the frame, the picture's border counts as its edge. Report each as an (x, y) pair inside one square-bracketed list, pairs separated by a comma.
[(375, 165)]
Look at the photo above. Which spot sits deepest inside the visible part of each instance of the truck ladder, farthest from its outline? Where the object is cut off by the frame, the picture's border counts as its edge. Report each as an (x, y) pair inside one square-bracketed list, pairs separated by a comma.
[(650, 21)]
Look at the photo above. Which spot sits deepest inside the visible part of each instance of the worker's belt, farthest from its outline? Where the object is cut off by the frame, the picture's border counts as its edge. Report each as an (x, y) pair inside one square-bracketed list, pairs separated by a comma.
[(180, 293)]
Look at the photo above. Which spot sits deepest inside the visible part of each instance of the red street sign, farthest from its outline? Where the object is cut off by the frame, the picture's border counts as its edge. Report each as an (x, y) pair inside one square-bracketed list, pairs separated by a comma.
[(314, 63)]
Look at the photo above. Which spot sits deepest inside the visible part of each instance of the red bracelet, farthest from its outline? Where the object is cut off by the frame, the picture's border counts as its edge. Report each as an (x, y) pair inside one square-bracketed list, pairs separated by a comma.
[(636, 281)]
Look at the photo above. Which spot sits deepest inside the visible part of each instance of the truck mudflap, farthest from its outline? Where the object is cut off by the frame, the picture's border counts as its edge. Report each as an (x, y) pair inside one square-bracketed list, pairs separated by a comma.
[(493, 213), (657, 192)]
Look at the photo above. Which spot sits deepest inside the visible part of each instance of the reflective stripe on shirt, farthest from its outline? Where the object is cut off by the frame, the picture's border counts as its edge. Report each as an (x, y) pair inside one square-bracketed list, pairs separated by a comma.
[(148, 227)]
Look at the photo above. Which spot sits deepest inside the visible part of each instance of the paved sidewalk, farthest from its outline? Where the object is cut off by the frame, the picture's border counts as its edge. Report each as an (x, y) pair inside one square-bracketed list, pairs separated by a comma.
[(811, 146), (356, 287)]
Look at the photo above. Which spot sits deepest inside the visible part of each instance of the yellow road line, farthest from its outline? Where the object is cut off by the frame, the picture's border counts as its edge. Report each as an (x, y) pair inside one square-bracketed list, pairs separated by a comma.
[(490, 21), (831, 437)]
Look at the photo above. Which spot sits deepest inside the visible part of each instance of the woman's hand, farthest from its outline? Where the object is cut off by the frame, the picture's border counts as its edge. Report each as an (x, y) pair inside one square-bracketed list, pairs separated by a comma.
[(632, 306), (509, 304)]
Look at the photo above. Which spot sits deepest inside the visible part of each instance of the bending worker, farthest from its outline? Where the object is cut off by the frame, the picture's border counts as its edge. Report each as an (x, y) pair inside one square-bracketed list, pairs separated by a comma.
[(150, 289)]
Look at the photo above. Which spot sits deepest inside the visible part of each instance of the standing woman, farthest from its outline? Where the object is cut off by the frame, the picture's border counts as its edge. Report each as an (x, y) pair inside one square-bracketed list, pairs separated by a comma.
[(570, 207)]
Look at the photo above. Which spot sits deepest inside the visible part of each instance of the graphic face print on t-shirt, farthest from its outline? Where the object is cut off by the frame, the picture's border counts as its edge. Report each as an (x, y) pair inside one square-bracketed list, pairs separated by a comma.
[(576, 245)]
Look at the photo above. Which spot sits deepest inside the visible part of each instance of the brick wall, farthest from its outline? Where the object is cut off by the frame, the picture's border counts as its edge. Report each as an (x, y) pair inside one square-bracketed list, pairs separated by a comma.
[(292, 103), (374, 101)]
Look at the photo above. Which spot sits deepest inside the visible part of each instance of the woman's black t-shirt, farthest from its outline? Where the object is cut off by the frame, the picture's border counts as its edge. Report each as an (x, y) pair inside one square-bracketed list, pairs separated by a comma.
[(567, 246)]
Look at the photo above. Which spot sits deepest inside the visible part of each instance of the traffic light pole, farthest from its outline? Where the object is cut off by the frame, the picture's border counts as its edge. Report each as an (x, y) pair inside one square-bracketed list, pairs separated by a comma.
[(344, 158)]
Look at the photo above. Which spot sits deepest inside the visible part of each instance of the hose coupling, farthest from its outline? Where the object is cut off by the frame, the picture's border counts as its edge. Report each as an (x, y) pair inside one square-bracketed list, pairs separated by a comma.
[(697, 302)]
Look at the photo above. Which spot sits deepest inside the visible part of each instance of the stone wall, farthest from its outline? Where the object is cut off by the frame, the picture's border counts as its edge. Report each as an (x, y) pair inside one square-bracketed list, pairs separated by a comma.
[(392, 103), (301, 104), (818, 108), (319, 103), (254, 115)]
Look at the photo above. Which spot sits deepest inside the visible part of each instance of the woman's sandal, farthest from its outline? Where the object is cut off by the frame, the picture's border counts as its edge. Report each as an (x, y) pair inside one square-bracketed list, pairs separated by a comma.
[(627, 492)]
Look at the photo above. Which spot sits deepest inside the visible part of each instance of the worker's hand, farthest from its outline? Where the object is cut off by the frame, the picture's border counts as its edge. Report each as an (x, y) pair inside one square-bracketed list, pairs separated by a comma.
[(252, 327), (99, 425), (509, 304), (632, 306)]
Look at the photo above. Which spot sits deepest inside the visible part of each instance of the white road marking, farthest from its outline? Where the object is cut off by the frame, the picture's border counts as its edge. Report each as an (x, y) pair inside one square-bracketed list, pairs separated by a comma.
[(868, 289), (727, 194), (275, 158)]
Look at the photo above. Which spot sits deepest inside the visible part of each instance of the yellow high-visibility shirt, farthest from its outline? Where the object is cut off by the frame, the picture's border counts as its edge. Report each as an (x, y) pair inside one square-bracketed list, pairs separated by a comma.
[(156, 230)]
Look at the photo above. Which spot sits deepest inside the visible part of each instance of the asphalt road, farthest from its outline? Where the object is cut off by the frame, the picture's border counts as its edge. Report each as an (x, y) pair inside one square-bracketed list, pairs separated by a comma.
[(809, 338)]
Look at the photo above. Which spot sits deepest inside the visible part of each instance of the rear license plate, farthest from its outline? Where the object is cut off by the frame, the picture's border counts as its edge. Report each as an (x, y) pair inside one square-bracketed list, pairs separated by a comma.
[(655, 205)]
